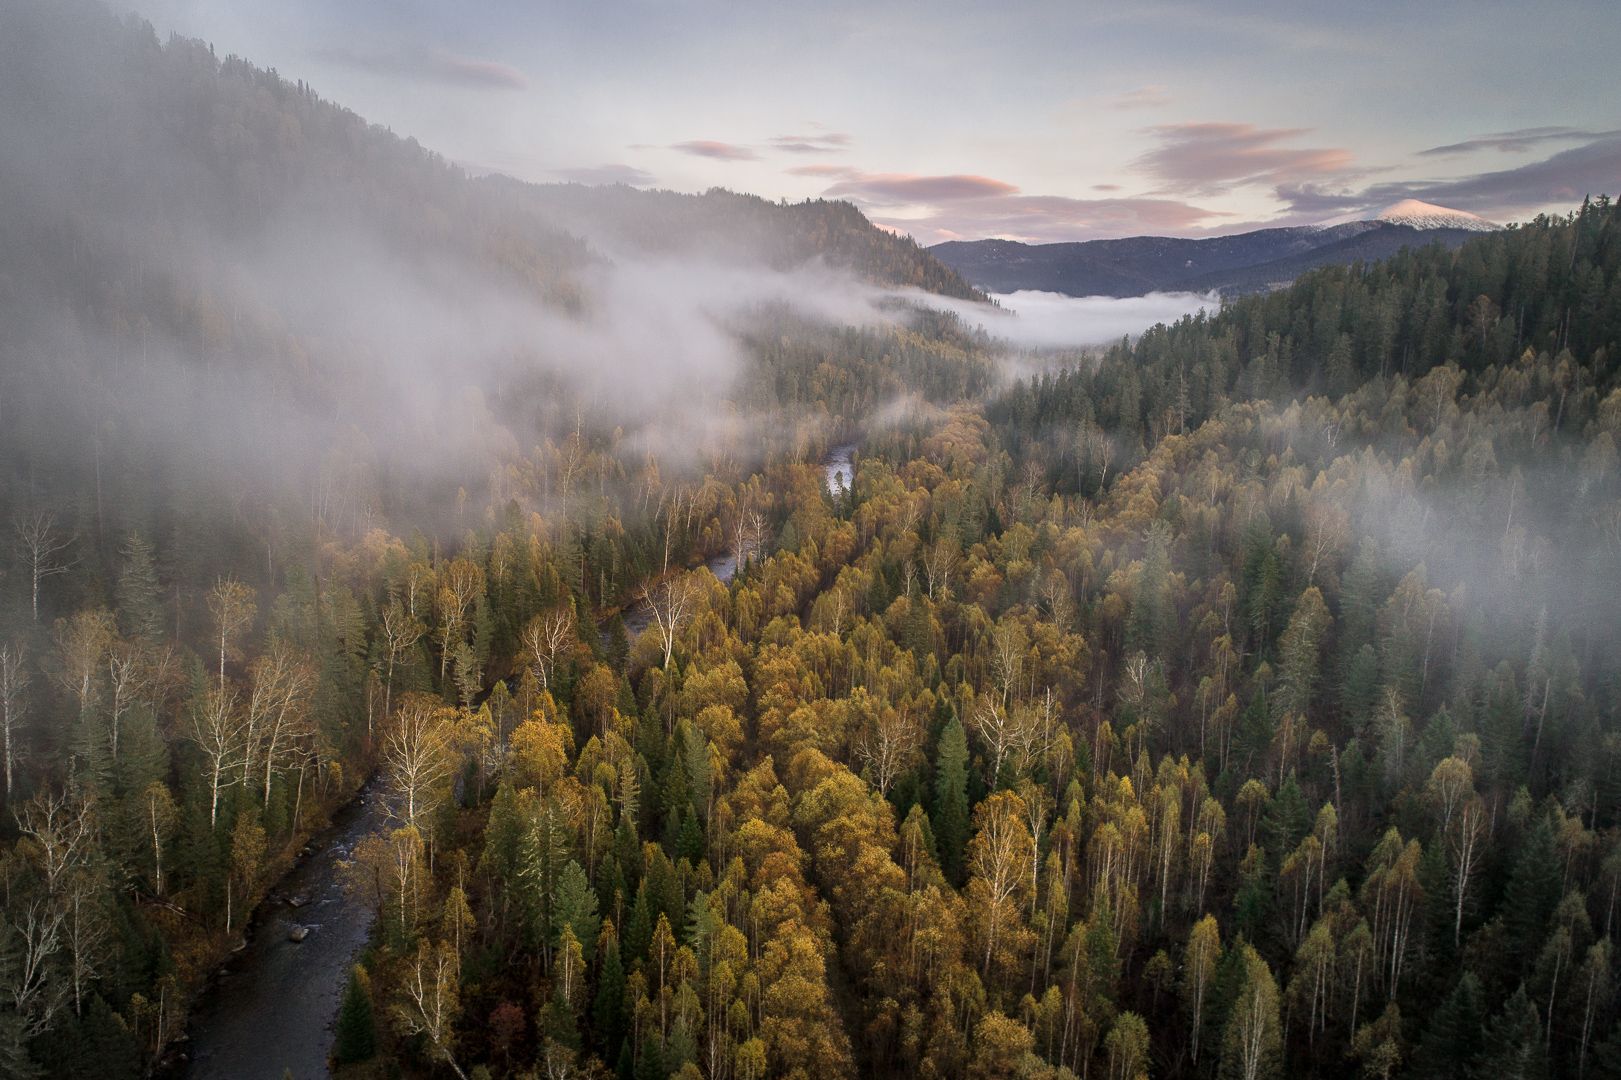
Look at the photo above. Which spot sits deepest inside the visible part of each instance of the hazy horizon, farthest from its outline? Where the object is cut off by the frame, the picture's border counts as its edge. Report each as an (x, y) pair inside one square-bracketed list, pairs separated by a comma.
[(1064, 123)]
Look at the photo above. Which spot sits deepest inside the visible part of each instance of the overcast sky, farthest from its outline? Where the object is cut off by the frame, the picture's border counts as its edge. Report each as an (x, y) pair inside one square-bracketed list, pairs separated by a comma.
[(1035, 121)]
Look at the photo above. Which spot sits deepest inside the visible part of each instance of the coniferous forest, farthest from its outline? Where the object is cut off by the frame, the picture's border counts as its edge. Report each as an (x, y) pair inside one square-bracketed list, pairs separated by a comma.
[(1238, 701)]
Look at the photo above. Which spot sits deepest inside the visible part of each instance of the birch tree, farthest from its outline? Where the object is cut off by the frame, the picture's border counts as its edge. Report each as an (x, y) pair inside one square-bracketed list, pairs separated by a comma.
[(14, 679), (1465, 839), (888, 740), (417, 759), (544, 639), (217, 730), (400, 631), (61, 832), (1253, 1046), (1199, 972), (232, 606), (997, 857), (278, 714), (428, 1004), (460, 586), (42, 549), (159, 817), (30, 939), (671, 602)]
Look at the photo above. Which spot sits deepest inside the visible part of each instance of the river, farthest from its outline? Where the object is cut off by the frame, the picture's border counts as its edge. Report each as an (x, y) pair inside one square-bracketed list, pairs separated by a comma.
[(271, 1009), (837, 471), (838, 468)]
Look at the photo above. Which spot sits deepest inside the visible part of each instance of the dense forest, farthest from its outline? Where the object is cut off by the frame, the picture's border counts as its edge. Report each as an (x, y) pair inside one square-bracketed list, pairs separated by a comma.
[(1238, 702)]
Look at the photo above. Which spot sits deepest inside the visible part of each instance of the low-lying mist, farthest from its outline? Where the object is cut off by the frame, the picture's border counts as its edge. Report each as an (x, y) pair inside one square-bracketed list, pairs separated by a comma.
[(211, 277), (1046, 320)]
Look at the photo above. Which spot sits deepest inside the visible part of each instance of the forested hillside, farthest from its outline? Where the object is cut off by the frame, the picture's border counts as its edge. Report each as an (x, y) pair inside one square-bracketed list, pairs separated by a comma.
[(1240, 702)]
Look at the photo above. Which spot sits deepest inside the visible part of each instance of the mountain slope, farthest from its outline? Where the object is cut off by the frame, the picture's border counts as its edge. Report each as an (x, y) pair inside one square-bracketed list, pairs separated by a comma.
[(214, 268)]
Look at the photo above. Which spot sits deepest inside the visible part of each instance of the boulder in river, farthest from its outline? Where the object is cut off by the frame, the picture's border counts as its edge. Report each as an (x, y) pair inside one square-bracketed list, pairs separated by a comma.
[(298, 934)]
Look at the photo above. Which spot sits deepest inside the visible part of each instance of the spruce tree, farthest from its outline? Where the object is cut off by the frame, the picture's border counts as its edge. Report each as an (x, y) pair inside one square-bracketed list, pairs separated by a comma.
[(951, 799), (1514, 1048), (1453, 1036), (357, 1029), (1533, 889), (608, 1008), (576, 906), (140, 609)]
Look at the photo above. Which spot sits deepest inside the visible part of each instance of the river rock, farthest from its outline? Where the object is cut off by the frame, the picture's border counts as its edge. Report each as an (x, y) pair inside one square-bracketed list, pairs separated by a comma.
[(298, 934), (299, 900)]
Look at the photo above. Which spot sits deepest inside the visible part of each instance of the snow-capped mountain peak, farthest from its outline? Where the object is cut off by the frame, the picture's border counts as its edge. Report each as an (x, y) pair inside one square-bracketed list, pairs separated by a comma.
[(1422, 215)]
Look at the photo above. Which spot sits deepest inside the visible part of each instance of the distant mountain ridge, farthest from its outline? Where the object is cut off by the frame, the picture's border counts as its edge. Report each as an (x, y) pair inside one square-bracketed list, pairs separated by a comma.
[(1241, 263)]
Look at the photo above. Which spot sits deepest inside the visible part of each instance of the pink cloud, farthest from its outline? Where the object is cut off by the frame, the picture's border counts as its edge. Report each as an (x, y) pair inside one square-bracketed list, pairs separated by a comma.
[(892, 189), (1049, 218), (1211, 157), (948, 207), (718, 151), (1151, 96), (823, 170), (436, 65), (831, 142), (479, 72)]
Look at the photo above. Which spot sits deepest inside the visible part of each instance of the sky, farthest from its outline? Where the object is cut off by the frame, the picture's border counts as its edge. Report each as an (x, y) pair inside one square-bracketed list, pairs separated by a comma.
[(960, 120)]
